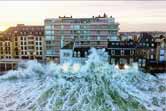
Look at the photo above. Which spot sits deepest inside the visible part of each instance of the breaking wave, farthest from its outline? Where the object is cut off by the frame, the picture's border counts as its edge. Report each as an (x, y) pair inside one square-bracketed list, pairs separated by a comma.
[(93, 86)]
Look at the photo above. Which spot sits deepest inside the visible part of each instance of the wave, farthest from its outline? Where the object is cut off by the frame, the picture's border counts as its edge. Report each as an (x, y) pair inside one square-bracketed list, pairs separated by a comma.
[(93, 86)]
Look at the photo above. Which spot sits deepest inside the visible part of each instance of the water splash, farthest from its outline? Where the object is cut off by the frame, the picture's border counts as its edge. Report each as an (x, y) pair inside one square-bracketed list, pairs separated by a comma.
[(93, 86)]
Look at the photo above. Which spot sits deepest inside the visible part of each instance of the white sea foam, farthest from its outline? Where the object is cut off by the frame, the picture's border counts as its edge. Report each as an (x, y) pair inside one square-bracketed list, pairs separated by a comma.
[(93, 86)]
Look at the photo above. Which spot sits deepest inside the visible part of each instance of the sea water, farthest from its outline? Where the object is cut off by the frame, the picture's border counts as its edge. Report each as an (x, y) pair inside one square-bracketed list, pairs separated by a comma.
[(93, 86)]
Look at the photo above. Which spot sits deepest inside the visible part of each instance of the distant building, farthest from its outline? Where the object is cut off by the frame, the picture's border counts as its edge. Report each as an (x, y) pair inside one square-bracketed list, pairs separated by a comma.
[(6, 48), (161, 49), (8, 64), (63, 30), (27, 41), (70, 39), (66, 53), (121, 52), (146, 50), (151, 53)]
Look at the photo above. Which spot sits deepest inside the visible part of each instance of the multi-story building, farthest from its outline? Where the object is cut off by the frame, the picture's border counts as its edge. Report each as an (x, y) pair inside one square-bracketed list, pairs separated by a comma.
[(161, 49), (63, 30), (119, 52), (28, 41), (146, 50), (79, 51), (150, 53), (6, 48)]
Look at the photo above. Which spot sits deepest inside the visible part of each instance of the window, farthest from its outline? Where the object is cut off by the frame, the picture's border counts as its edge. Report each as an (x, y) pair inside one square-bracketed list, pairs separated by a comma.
[(122, 52), (162, 45), (112, 52), (31, 42), (98, 31), (161, 58), (49, 27), (62, 27), (131, 52), (76, 27), (122, 61), (75, 54), (151, 56), (143, 62), (50, 52), (48, 42), (86, 54), (36, 33), (49, 38), (152, 44), (78, 53), (162, 52), (48, 32), (152, 50), (113, 43), (65, 54)]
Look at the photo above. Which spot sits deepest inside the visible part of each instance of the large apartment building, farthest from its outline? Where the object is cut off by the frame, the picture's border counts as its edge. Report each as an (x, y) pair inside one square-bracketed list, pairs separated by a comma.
[(27, 41), (60, 31)]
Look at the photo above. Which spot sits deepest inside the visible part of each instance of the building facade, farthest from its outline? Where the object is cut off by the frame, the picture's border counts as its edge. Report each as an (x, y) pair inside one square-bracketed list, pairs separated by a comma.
[(121, 52), (146, 50), (6, 48), (63, 30), (27, 41), (161, 50)]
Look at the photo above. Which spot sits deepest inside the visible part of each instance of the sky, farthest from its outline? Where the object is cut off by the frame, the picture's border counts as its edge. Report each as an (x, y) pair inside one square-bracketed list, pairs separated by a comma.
[(132, 15)]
